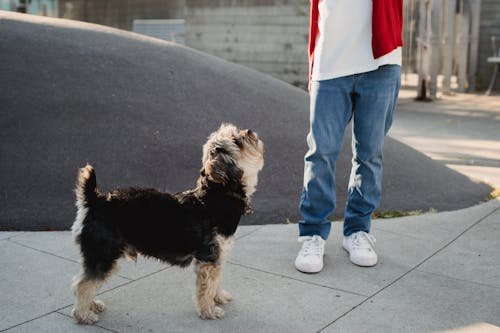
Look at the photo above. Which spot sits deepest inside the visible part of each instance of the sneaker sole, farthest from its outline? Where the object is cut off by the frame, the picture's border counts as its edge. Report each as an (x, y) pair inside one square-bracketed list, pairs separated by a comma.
[(367, 263), (308, 272)]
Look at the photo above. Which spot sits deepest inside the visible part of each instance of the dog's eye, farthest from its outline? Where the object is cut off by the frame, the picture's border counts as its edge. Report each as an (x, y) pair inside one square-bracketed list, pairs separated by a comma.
[(238, 141), (217, 150)]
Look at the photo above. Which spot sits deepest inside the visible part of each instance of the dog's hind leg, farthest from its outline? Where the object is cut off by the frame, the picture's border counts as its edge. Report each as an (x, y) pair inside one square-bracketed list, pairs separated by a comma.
[(86, 308), (207, 275), (85, 286)]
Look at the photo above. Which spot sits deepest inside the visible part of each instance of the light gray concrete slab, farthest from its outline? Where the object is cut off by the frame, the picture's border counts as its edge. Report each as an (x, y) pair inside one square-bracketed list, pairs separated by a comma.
[(7, 234), (61, 243), (474, 256), (274, 248), (492, 221), (460, 131), (55, 323), (423, 302), (136, 269), (440, 227), (245, 230), (262, 303), (33, 283), (142, 267)]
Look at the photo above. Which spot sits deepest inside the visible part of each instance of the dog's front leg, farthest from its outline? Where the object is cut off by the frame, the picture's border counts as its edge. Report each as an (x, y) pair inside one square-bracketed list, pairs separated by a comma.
[(207, 277), (221, 296)]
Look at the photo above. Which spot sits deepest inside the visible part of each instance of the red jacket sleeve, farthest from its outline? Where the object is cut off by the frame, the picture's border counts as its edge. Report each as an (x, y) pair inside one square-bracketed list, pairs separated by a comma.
[(313, 33), (387, 26)]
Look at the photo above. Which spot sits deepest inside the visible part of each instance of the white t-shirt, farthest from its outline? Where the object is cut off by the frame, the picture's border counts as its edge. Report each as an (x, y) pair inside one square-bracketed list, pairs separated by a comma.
[(343, 46)]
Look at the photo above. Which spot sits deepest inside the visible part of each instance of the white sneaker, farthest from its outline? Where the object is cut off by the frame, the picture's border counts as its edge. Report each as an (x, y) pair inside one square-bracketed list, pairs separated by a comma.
[(360, 248), (310, 257)]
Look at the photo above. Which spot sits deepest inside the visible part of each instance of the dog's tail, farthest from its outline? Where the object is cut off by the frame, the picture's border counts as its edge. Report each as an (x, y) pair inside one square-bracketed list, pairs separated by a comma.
[(86, 187)]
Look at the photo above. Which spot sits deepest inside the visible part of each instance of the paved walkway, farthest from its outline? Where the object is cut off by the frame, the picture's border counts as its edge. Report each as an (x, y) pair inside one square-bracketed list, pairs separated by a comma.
[(437, 271), (460, 131)]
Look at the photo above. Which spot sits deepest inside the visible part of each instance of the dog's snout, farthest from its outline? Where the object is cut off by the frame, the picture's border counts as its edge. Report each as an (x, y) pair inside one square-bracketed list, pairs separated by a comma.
[(249, 132)]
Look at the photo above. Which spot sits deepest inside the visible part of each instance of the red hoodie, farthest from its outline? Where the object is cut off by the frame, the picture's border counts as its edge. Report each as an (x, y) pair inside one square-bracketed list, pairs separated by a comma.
[(387, 27)]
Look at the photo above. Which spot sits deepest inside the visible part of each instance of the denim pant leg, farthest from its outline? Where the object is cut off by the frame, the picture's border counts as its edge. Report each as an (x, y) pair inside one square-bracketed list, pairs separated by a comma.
[(330, 112), (375, 96)]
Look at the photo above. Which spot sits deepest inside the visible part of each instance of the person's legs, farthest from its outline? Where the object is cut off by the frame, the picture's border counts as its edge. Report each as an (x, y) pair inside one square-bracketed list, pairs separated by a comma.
[(375, 97), (330, 112)]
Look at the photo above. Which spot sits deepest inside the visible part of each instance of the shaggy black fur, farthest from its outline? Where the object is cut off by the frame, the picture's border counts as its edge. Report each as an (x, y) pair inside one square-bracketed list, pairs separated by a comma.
[(174, 228)]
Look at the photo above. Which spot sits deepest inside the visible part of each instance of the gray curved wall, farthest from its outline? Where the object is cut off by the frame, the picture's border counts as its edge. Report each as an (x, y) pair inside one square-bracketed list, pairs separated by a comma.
[(140, 109)]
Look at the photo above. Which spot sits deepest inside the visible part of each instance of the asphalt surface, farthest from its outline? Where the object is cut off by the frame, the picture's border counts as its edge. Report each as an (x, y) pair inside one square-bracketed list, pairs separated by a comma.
[(140, 109)]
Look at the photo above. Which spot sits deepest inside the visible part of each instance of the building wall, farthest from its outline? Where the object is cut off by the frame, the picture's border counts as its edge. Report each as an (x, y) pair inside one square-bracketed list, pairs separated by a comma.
[(268, 35), (35, 7), (489, 26), (120, 13), (10, 5)]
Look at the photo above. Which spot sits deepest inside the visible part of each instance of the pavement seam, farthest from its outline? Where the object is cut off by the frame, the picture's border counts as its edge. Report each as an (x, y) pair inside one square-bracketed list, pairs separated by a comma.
[(101, 293), (65, 258), (42, 251), (47, 314), (298, 280), (132, 281), (457, 279), (105, 328), (250, 233), (411, 270)]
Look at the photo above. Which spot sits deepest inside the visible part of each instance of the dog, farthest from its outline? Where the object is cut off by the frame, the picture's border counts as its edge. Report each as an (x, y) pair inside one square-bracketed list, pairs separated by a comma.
[(195, 225)]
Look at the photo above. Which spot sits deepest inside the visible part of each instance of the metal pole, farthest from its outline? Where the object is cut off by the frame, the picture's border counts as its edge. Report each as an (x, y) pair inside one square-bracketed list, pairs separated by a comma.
[(423, 44), (434, 34), (474, 43), (463, 46), (448, 39)]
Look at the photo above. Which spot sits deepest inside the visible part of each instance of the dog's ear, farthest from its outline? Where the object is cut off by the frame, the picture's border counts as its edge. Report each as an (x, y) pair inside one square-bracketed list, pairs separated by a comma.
[(221, 168)]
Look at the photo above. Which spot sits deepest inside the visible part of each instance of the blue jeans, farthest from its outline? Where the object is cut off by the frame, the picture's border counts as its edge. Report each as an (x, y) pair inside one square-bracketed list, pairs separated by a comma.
[(369, 99)]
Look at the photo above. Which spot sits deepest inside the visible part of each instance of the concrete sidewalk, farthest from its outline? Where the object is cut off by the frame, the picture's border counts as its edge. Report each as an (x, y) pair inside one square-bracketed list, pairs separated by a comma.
[(460, 131), (437, 271)]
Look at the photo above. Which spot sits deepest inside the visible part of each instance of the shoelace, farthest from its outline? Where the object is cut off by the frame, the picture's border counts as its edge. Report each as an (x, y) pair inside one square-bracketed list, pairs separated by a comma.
[(363, 240), (311, 246)]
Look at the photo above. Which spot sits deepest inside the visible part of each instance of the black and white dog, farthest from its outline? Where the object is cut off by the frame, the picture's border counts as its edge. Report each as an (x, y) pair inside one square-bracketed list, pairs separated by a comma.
[(174, 228)]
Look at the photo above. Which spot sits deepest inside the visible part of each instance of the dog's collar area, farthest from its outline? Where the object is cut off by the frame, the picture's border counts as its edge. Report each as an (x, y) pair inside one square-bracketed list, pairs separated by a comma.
[(208, 185), (246, 210)]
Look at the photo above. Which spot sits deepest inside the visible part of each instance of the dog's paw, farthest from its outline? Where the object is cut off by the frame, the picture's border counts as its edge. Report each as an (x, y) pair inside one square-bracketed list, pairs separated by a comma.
[(85, 317), (212, 313), (97, 306), (223, 297), (219, 313)]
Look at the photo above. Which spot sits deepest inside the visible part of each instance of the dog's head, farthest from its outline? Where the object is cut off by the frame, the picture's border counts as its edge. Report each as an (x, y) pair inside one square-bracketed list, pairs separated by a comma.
[(233, 156)]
